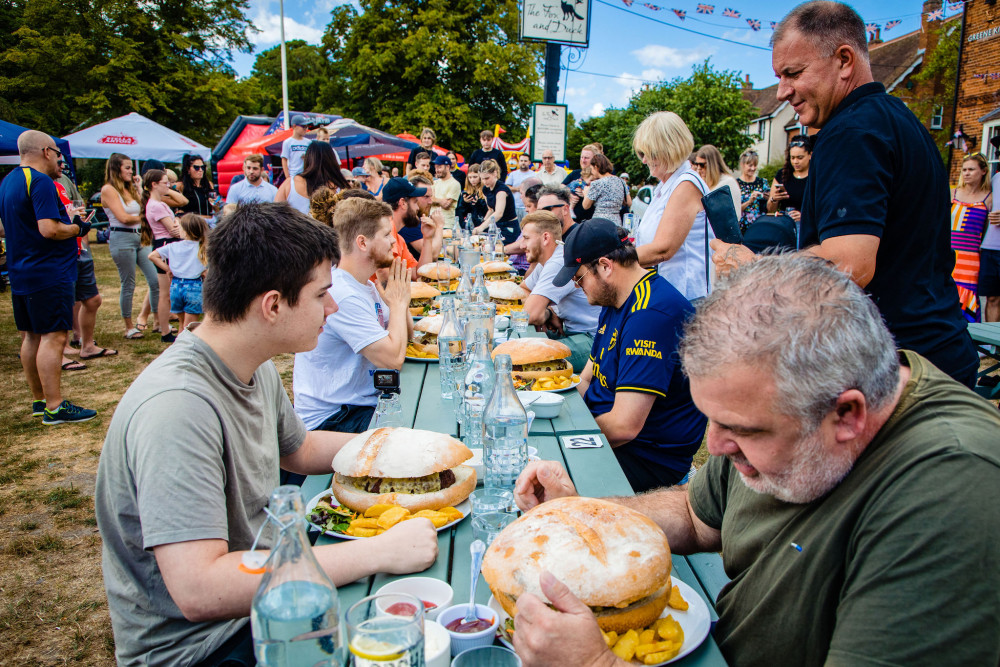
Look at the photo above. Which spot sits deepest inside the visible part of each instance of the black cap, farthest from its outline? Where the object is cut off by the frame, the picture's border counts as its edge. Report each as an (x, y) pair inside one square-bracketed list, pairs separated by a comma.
[(399, 187), (442, 159), (586, 242)]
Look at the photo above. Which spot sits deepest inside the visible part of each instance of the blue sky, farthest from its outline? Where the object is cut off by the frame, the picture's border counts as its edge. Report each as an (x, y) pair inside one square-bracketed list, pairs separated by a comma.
[(627, 46)]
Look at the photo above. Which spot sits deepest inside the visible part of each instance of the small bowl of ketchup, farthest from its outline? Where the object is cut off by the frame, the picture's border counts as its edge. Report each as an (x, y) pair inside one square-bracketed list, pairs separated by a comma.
[(434, 593), (480, 632)]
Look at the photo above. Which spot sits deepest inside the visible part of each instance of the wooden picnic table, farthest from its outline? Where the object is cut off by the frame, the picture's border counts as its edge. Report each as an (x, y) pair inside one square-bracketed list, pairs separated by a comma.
[(595, 472), (986, 336)]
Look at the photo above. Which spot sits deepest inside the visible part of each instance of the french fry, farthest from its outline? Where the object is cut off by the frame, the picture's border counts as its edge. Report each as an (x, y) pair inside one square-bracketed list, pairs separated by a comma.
[(610, 638), (362, 532), (624, 648), (391, 517), (657, 658), (375, 511), (452, 513), (364, 523), (647, 636), (676, 601), (644, 649), (439, 519), (669, 629)]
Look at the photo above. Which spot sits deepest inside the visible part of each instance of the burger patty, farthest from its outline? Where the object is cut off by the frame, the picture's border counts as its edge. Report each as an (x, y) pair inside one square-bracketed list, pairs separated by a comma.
[(426, 484), (551, 365), (425, 338), (421, 302), (506, 302)]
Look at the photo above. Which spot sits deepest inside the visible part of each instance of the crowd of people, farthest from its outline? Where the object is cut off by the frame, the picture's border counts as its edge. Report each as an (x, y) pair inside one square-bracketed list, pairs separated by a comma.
[(830, 382)]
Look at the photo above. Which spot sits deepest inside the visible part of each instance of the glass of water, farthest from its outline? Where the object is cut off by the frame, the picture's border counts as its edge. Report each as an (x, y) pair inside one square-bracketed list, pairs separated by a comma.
[(487, 526), (488, 501), (519, 320), (487, 656), (386, 629), (469, 257), (443, 270)]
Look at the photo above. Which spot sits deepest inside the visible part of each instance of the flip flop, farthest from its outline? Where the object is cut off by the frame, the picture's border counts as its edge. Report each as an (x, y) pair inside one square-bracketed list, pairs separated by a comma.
[(133, 334), (74, 366), (105, 352), (141, 326)]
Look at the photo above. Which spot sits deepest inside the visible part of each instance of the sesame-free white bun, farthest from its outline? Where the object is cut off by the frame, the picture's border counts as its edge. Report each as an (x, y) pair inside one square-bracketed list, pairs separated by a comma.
[(507, 290)]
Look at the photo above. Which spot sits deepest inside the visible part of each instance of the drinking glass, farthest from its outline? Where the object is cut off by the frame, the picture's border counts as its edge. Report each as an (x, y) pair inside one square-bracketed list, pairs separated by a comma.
[(487, 656), (443, 270), (480, 316), (490, 501), (387, 628), (519, 319), (487, 526), (469, 257)]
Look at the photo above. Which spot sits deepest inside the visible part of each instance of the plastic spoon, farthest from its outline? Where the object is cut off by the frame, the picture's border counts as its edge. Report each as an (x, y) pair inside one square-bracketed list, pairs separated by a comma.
[(476, 549)]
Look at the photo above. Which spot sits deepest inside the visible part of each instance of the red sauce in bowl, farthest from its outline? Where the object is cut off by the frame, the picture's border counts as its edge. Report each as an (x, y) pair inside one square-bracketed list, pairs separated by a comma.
[(460, 626), (401, 609)]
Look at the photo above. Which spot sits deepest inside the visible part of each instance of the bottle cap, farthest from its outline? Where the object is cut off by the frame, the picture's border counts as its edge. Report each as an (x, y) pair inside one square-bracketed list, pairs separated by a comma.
[(253, 562)]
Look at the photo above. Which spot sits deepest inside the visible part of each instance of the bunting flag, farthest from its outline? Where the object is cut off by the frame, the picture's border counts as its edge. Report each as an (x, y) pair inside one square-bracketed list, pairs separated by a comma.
[(956, 6), (706, 9), (651, 6), (681, 14), (627, 3), (870, 28), (731, 13), (774, 24), (754, 24), (891, 24), (936, 15)]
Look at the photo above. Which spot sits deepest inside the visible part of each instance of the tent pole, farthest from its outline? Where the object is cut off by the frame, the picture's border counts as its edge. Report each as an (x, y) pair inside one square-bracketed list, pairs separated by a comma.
[(284, 67)]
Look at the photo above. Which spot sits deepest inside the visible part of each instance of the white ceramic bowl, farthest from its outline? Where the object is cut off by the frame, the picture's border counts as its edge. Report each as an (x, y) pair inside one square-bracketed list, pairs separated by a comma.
[(476, 463), (427, 589), (544, 404), (437, 645), (460, 641)]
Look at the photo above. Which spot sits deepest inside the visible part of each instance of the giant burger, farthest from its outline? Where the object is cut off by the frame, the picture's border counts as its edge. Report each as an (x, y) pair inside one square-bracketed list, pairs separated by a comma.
[(425, 335), (498, 270), (614, 559), (428, 273), (418, 470), (422, 297), (506, 295), (536, 359)]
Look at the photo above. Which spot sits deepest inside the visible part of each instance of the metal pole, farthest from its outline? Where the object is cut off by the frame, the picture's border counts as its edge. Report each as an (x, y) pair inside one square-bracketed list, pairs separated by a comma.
[(284, 66), (552, 55)]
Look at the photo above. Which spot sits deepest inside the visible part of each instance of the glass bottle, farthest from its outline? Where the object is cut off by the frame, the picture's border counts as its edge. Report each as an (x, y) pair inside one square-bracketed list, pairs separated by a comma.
[(464, 291), (476, 389), (505, 430), (451, 349), (480, 293), (295, 615), (388, 412)]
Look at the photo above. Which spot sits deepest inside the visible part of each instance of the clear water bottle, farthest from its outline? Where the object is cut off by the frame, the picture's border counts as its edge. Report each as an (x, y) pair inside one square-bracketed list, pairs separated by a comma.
[(479, 291), (492, 230), (505, 430), (464, 291), (388, 412), (476, 389), (451, 349), (295, 616)]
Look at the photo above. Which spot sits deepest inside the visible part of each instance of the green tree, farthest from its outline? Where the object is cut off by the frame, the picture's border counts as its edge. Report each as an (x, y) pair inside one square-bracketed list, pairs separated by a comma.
[(76, 62), (308, 70), (708, 100), (453, 65)]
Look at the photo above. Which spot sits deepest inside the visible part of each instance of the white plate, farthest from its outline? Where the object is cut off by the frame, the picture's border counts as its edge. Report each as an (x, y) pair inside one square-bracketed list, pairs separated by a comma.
[(695, 622), (465, 507), (557, 391), (426, 360)]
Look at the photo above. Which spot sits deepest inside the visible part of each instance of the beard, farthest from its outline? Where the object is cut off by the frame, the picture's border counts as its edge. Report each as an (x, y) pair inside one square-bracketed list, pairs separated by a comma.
[(411, 218), (813, 472), (383, 261), (603, 294)]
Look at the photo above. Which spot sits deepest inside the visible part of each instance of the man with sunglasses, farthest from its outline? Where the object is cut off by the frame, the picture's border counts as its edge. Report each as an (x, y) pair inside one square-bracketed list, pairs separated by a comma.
[(632, 383), (41, 265)]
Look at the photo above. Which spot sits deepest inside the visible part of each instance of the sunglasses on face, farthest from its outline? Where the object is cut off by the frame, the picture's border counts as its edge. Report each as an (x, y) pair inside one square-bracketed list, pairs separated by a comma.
[(551, 206), (198, 167), (578, 280), (55, 150), (700, 165), (797, 144)]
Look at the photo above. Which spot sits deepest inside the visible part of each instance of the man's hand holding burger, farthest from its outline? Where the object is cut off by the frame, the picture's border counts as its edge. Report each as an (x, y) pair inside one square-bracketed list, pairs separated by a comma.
[(541, 481), (567, 635)]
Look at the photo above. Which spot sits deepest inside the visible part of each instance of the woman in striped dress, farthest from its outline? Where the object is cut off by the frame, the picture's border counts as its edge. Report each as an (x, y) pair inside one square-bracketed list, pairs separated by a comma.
[(970, 205)]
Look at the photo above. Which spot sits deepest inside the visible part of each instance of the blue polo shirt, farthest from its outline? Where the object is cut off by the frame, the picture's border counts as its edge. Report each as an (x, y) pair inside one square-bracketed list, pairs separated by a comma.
[(876, 171), (34, 263), (635, 349)]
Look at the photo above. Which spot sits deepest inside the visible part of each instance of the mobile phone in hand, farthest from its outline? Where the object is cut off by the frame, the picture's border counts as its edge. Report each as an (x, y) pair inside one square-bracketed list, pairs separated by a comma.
[(90, 216)]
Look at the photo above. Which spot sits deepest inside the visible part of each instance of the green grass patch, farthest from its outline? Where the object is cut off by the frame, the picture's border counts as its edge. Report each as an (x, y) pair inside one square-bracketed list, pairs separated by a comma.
[(29, 544), (65, 498)]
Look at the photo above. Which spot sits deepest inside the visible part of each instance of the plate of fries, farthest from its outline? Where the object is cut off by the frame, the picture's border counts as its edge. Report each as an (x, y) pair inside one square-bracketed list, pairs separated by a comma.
[(414, 354), (557, 385), (326, 515), (681, 628)]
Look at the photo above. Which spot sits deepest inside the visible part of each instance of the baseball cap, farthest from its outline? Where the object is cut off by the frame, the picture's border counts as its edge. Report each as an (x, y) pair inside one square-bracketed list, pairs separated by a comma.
[(298, 119), (359, 171), (400, 187), (442, 159), (586, 242)]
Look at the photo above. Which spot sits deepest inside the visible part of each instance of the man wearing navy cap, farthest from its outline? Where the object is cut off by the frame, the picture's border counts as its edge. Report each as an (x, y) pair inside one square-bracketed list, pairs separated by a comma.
[(633, 384), (406, 201), (446, 190), (293, 149)]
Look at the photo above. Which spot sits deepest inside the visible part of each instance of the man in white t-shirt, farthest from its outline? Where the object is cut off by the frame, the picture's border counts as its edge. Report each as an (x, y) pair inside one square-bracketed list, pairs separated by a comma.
[(333, 383), (293, 149), (254, 188), (516, 178), (550, 173), (446, 190), (562, 312)]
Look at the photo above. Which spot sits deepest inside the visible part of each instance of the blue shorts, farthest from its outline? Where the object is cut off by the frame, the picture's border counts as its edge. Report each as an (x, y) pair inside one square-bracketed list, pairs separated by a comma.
[(45, 311), (185, 296), (86, 280)]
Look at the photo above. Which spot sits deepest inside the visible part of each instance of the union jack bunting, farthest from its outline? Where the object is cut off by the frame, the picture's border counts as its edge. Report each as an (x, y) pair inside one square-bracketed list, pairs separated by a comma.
[(871, 28), (651, 6), (627, 3), (774, 24), (681, 14), (955, 6), (706, 9), (891, 24), (731, 13), (754, 24), (936, 15)]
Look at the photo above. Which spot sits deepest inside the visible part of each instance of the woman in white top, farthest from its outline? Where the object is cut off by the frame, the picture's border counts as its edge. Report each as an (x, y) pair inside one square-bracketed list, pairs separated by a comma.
[(673, 234), (320, 168), (711, 166)]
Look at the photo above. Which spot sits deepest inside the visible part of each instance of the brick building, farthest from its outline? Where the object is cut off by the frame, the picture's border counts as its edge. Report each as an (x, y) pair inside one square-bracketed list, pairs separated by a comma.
[(978, 111)]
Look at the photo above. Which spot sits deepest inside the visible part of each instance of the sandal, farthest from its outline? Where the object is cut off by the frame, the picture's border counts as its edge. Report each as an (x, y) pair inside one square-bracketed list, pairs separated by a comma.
[(141, 326), (104, 352), (133, 334), (74, 366)]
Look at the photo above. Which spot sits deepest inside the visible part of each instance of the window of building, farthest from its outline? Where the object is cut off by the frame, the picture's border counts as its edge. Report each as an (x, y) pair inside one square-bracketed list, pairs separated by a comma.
[(992, 153), (937, 118)]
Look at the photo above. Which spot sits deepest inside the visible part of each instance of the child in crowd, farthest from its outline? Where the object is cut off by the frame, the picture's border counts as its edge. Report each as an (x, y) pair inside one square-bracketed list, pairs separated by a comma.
[(186, 261)]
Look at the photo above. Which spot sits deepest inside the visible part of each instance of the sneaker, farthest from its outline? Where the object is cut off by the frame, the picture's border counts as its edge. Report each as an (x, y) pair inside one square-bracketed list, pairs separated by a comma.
[(37, 408), (66, 413), (169, 338)]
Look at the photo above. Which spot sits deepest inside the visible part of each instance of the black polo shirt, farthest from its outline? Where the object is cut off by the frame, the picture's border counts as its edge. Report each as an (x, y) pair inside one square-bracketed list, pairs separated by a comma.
[(876, 171)]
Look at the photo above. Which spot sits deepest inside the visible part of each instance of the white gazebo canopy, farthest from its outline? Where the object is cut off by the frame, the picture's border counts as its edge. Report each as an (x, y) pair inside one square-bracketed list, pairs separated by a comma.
[(137, 137)]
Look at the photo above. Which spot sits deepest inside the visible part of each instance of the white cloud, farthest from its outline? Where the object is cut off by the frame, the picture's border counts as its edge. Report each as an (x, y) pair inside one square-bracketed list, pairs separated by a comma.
[(657, 55), (269, 26), (577, 91), (596, 110)]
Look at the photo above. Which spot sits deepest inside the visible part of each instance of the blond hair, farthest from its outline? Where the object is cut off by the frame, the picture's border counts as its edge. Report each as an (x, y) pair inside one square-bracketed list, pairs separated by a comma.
[(489, 167), (715, 165), (664, 138), (984, 183), (113, 177), (471, 189), (420, 176), (373, 166), (545, 221), (356, 217)]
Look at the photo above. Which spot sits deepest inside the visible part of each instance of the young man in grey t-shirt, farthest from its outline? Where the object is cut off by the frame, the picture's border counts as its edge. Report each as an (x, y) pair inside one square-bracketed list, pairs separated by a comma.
[(194, 449)]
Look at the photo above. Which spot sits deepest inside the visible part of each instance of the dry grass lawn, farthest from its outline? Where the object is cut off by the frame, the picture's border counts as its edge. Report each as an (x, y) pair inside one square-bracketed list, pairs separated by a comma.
[(53, 610)]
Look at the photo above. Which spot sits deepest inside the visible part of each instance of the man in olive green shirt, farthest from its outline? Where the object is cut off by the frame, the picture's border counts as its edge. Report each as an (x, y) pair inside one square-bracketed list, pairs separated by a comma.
[(853, 489)]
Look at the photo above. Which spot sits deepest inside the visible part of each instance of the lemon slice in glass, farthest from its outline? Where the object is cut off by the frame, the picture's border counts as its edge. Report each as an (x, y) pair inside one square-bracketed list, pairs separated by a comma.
[(373, 649)]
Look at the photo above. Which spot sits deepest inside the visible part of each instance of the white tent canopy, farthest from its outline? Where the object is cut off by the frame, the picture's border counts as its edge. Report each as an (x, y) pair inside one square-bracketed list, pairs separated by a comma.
[(137, 137)]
